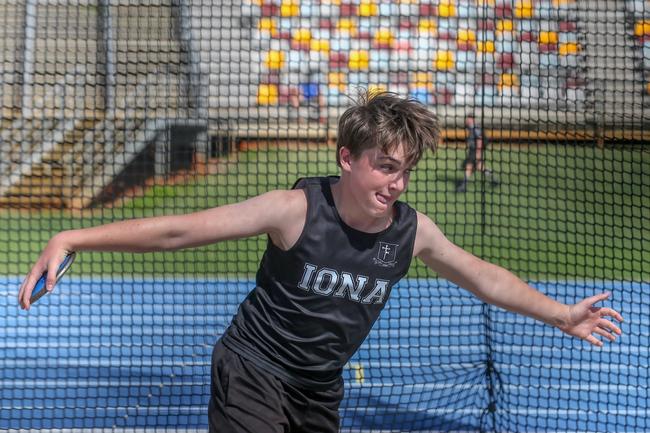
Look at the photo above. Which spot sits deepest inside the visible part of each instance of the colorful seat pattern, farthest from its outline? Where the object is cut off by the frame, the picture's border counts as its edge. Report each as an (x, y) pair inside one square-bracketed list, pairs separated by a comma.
[(523, 53)]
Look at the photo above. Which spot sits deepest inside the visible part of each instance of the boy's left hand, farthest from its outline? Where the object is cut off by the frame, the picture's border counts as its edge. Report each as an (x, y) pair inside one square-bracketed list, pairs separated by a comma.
[(584, 320)]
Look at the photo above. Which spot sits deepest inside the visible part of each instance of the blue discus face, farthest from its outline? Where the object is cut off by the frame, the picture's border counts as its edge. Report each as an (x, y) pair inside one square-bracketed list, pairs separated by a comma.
[(39, 287)]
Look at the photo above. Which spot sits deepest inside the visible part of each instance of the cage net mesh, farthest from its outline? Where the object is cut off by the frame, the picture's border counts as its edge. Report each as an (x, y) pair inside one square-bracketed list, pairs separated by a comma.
[(116, 109)]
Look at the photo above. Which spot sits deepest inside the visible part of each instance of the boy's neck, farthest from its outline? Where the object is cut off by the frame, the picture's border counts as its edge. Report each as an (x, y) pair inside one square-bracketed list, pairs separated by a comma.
[(352, 214)]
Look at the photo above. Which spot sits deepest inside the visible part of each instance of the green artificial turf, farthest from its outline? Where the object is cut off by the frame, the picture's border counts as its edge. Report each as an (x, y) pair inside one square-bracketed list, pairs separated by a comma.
[(559, 212)]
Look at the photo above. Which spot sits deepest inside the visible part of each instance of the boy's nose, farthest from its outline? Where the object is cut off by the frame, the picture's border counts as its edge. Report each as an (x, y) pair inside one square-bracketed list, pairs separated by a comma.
[(398, 183)]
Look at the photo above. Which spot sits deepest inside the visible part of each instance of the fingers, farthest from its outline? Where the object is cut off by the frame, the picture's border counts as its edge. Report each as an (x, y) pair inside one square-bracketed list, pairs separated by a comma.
[(604, 311), (593, 340), (27, 287), (609, 327), (21, 293), (51, 277), (50, 260), (604, 333), (597, 298), (611, 313), (605, 329)]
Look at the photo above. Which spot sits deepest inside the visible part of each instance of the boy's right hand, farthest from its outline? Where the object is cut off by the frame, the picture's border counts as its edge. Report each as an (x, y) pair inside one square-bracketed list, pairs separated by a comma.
[(49, 260)]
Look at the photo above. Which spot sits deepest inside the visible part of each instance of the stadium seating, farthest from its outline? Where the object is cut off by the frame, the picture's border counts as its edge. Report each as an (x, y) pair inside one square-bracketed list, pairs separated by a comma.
[(640, 11), (64, 130), (516, 42)]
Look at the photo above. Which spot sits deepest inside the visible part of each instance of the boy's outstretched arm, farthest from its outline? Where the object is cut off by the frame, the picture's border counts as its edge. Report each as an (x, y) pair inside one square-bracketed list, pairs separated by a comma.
[(498, 286), (277, 213)]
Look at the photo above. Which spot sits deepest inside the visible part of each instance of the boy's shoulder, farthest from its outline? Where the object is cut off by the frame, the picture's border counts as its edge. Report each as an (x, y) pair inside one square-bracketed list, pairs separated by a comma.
[(304, 182)]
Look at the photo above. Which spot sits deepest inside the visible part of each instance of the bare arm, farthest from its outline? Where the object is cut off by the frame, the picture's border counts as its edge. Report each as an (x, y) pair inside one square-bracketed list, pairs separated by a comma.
[(252, 217), (498, 286), (167, 233)]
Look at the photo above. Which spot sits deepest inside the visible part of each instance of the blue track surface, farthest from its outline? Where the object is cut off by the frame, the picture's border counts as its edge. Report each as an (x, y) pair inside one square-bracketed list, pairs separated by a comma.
[(106, 353)]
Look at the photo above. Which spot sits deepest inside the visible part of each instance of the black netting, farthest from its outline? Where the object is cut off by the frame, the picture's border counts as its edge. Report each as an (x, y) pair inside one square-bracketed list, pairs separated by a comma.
[(113, 109)]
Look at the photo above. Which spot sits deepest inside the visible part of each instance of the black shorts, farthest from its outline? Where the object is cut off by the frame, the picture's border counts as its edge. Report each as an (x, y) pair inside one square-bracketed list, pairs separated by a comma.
[(246, 399)]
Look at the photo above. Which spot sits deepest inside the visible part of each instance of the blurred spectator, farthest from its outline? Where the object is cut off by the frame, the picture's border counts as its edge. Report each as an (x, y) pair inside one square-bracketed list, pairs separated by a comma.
[(476, 146)]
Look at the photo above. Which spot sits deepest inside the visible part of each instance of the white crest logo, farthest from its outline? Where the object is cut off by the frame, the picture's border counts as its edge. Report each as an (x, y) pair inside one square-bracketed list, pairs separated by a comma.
[(387, 255)]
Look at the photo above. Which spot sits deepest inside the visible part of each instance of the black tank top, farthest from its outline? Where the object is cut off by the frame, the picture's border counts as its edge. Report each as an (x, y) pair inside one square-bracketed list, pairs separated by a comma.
[(314, 304)]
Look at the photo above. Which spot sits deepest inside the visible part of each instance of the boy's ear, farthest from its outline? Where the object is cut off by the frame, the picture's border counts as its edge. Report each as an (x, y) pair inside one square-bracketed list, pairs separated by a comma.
[(345, 158)]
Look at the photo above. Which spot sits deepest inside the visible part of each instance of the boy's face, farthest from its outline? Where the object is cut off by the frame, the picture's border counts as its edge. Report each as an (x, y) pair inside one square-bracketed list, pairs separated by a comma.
[(377, 179)]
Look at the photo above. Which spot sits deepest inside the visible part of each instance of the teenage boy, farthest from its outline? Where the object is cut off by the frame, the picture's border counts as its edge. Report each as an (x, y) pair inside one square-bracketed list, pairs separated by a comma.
[(336, 247)]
